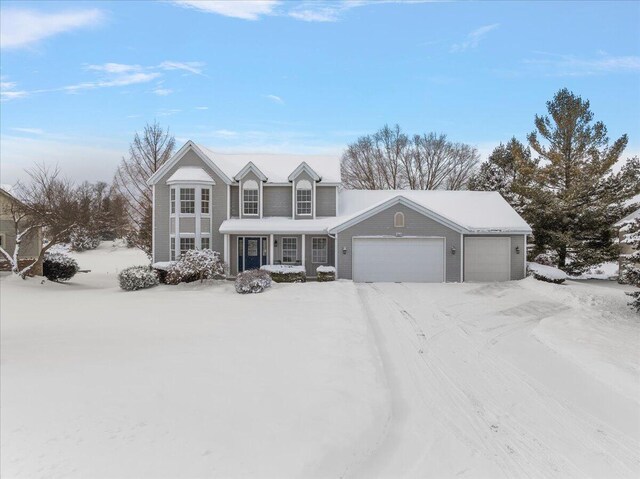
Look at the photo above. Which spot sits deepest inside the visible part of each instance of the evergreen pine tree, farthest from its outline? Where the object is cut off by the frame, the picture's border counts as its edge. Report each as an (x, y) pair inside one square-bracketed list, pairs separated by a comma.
[(573, 198), (630, 269)]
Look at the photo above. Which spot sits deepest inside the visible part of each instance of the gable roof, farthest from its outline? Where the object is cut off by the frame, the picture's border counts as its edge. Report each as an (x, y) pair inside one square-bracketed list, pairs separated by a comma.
[(250, 167), (276, 168), (463, 211), (190, 174)]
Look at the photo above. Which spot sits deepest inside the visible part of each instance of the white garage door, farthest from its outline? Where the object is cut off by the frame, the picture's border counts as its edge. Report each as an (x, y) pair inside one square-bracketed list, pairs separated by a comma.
[(419, 260), (487, 259)]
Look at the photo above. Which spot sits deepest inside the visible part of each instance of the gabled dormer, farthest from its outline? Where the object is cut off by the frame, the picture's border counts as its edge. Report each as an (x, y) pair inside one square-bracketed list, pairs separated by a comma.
[(303, 189), (250, 190)]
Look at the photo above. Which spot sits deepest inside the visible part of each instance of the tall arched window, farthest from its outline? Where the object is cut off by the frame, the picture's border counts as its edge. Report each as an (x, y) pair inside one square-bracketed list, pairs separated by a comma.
[(250, 197), (303, 198), (398, 220)]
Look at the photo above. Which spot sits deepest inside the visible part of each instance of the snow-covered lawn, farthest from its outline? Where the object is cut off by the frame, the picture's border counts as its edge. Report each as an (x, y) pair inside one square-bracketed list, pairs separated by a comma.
[(184, 381), (518, 379)]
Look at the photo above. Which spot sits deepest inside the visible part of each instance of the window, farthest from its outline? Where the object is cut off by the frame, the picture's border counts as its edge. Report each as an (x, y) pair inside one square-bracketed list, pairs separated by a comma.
[(204, 242), (187, 200), (303, 198), (186, 244), (204, 201), (173, 201), (289, 250), (319, 250), (264, 249), (172, 255), (250, 197), (398, 220)]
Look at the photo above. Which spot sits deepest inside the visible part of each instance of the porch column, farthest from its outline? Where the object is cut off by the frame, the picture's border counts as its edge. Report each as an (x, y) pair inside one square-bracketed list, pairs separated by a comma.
[(303, 250), (226, 249), (270, 249)]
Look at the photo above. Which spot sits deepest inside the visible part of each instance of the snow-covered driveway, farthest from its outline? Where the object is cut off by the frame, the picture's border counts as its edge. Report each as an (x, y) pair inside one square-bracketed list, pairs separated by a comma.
[(477, 390)]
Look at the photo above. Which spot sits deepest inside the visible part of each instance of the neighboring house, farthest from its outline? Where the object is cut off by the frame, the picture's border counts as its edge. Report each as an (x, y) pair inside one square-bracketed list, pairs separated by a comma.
[(270, 209), (30, 247), (625, 249)]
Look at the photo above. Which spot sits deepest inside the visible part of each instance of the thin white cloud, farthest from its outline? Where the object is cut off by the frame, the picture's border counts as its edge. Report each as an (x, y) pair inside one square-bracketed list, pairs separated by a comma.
[(21, 28), (8, 90), (243, 9), (202, 108), (168, 112), (568, 65), (29, 131), (191, 67), (115, 68), (275, 99), (474, 38), (225, 133), (119, 80), (163, 91)]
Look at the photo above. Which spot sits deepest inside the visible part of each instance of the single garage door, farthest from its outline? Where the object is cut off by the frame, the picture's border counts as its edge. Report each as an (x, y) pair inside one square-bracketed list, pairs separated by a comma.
[(419, 260), (487, 259)]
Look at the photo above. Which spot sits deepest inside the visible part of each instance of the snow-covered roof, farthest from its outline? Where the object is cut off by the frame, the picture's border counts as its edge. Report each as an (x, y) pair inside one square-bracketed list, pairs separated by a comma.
[(190, 174), (276, 225), (474, 211), (276, 167), (629, 218)]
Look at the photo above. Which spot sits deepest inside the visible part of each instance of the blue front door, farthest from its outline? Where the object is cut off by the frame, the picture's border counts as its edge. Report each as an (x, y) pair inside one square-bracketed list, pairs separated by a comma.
[(251, 253)]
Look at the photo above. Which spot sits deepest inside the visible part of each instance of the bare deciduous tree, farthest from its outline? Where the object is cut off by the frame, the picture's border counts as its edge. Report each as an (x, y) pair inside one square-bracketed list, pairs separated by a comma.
[(46, 202), (147, 153), (388, 159)]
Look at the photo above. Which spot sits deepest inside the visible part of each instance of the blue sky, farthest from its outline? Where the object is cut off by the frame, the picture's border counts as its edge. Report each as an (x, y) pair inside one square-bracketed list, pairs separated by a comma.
[(79, 78)]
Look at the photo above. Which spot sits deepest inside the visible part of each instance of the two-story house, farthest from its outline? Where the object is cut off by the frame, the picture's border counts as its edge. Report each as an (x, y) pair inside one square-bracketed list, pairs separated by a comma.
[(276, 209)]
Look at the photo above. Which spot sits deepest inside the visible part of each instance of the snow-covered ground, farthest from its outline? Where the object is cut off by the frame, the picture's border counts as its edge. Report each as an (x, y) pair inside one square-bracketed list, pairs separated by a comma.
[(184, 381), (517, 379)]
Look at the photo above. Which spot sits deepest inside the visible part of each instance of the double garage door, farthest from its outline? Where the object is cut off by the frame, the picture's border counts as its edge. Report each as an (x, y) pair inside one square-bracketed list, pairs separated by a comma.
[(383, 259), (422, 260)]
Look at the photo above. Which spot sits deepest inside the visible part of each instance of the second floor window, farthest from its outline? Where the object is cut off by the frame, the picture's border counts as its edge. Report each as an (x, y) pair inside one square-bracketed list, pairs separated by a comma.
[(187, 200), (303, 198), (204, 200), (250, 196)]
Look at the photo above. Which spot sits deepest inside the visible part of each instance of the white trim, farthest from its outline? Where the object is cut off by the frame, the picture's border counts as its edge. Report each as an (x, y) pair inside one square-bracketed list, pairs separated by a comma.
[(335, 253), (313, 200), (271, 249), (311, 213), (247, 168), (228, 201), (444, 248), (260, 202), (242, 190), (293, 200), (326, 249), (282, 249), (524, 253), (160, 172), (304, 167), (395, 217), (227, 251), (198, 220), (337, 199), (392, 202), (153, 223), (461, 258), (304, 252)]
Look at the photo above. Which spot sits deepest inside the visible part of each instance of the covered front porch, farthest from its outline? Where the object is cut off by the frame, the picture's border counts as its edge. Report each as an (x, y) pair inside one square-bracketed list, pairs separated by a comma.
[(251, 251)]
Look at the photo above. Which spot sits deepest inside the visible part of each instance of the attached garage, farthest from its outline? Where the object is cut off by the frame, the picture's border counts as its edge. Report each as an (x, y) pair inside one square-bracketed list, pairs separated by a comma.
[(399, 259), (487, 258)]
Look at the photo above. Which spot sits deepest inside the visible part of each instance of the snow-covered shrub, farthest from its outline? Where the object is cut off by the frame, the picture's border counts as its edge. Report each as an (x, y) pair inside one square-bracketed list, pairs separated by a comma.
[(549, 274), (137, 277), (630, 269), (544, 259), (196, 265), (252, 281), (325, 273), (282, 273), (59, 267), (82, 240), (162, 269)]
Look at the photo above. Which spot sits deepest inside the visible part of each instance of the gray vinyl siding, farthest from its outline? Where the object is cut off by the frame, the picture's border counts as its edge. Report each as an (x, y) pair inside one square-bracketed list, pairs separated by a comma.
[(326, 200), (251, 176), (277, 201), (303, 176), (416, 224), (311, 267), (162, 215), (235, 201)]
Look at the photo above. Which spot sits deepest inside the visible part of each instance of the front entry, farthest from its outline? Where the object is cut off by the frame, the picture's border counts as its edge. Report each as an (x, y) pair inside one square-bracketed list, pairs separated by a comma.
[(250, 256)]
